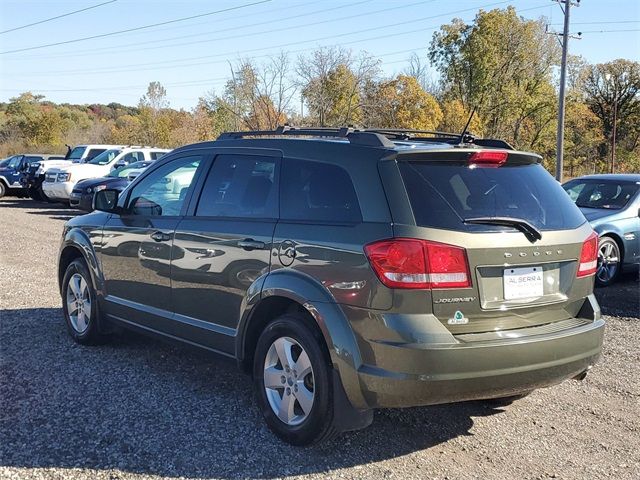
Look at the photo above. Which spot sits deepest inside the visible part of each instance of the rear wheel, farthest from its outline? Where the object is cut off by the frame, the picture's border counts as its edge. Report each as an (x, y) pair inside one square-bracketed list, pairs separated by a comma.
[(292, 380), (609, 261)]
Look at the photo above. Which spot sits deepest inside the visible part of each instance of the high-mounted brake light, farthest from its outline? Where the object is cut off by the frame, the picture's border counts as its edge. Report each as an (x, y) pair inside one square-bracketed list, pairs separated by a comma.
[(589, 256), (419, 264), (488, 158)]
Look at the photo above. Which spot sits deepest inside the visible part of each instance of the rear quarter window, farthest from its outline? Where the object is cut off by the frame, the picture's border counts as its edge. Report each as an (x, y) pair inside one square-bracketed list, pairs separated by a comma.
[(317, 192), (444, 194)]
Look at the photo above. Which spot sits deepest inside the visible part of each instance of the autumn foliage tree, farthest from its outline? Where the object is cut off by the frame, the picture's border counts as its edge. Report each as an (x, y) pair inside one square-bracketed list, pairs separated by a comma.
[(402, 103)]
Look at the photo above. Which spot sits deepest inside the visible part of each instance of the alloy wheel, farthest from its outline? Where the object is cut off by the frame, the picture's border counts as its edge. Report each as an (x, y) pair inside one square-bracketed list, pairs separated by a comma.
[(608, 261), (289, 381), (78, 303)]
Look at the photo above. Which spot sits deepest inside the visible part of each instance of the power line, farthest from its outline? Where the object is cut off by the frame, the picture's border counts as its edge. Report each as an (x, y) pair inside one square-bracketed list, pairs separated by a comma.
[(600, 22), (102, 35), (189, 83), (280, 29), (57, 17), (610, 31), (234, 28), (153, 65)]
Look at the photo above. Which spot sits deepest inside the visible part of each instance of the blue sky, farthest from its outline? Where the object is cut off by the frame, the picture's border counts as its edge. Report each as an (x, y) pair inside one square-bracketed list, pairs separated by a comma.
[(191, 57)]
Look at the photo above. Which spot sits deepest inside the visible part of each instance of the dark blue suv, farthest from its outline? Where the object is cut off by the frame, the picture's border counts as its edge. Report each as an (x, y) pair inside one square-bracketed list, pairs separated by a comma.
[(14, 170)]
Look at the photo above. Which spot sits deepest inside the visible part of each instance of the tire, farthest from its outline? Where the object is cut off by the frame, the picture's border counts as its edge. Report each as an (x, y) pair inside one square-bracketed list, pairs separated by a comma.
[(290, 337), (3, 189), (609, 261), (78, 299), (34, 193), (44, 195)]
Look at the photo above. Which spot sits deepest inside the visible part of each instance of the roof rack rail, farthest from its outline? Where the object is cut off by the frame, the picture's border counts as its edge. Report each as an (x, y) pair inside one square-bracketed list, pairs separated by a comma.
[(373, 137), (440, 137), (354, 136)]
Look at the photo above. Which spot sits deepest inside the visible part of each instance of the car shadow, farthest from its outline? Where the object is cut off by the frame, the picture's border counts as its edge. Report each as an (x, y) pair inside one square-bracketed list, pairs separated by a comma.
[(143, 406), (622, 298), (56, 211)]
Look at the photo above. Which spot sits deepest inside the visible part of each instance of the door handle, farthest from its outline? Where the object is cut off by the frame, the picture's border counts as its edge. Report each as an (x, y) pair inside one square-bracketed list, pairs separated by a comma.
[(251, 244), (161, 236)]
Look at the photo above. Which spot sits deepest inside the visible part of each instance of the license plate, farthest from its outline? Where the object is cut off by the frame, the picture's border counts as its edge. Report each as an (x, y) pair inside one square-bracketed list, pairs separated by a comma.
[(523, 283)]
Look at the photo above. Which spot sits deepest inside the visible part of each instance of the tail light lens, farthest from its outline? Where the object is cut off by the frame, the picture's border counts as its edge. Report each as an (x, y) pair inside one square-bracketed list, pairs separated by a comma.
[(589, 256), (419, 264)]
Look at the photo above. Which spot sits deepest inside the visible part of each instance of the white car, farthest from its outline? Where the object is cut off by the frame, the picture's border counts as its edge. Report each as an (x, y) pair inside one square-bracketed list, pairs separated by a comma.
[(59, 182), (79, 154)]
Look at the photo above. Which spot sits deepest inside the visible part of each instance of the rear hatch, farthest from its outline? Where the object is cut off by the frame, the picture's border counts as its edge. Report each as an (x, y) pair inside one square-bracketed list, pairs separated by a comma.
[(502, 241)]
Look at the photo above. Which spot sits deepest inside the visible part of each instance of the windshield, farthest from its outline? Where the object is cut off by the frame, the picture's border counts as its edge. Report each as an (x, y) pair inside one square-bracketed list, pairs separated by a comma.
[(76, 153), (605, 194), (445, 195), (123, 172), (105, 157)]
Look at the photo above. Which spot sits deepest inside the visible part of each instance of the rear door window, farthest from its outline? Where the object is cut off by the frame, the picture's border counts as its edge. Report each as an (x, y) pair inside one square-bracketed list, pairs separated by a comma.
[(242, 186), (443, 195), (318, 192)]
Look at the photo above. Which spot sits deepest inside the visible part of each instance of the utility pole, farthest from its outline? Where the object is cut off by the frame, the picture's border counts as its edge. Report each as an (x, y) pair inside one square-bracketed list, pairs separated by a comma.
[(613, 139), (563, 80)]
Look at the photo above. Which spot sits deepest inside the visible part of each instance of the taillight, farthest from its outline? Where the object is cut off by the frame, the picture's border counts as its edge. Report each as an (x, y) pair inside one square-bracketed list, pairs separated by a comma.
[(414, 263), (589, 256), (488, 158)]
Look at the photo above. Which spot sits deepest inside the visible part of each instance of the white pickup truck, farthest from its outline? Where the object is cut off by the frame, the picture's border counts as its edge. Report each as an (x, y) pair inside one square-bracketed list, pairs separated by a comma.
[(58, 182)]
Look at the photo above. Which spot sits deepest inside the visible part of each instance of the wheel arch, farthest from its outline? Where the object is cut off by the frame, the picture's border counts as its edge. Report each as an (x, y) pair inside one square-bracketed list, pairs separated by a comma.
[(617, 238), (76, 244), (286, 291)]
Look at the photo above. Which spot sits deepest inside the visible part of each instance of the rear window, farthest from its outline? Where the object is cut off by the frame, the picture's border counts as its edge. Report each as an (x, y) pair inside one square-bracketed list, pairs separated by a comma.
[(606, 194), (443, 195), (76, 153)]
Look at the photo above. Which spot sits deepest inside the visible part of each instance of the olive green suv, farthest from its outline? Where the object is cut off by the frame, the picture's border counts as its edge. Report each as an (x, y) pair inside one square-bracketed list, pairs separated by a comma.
[(346, 270)]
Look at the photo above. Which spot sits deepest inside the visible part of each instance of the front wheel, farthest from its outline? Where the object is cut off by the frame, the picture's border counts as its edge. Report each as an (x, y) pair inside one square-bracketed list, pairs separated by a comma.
[(3, 190), (609, 261), (292, 380), (44, 195), (80, 305)]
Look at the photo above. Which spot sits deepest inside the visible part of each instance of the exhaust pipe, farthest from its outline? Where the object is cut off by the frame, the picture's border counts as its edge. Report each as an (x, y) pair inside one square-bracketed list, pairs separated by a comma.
[(582, 375)]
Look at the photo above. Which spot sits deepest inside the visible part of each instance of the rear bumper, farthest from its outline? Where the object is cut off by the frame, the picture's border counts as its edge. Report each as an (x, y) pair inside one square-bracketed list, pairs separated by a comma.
[(431, 374), (58, 190)]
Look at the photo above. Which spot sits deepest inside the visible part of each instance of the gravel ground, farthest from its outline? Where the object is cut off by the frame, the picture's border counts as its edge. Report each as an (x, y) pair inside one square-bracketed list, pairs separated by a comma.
[(139, 408)]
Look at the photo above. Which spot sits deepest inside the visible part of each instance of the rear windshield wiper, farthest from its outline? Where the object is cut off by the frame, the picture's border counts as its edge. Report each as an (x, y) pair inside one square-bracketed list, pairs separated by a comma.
[(531, 232)]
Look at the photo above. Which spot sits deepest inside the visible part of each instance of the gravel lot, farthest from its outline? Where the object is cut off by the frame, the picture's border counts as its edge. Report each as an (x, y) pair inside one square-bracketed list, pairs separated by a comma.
[(139, 408)]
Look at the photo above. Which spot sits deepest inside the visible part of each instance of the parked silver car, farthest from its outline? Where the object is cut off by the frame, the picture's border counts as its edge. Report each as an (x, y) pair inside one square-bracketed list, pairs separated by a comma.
[(611, 203)]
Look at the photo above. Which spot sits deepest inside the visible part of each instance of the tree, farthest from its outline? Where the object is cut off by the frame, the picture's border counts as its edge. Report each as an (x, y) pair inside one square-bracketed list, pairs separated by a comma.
[(259, 95), (401, 103), (332, 82), (155, 98), (154, 122), (501, 64), (583, 136), (616, 84), (455, 118)]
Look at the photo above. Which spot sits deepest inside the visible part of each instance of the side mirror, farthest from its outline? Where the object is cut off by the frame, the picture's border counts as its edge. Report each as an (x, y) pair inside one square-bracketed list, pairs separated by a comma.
[(106, 200)]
